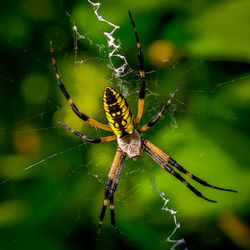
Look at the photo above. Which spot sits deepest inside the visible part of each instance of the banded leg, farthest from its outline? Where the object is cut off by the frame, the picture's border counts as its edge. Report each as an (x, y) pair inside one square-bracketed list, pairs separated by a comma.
[(84, 137), (152, 123), (70, 101), (142, 75), (173, 163), (105, 202), (116, 163), (112, 191), (204, 183), (165, 166)]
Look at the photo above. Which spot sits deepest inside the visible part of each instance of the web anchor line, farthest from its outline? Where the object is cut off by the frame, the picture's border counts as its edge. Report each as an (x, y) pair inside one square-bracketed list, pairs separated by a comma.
[(172, 212), (39, 163)]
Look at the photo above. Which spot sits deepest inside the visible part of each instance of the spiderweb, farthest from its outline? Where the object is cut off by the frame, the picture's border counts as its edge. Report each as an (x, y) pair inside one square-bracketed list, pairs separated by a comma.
[(122, 75)]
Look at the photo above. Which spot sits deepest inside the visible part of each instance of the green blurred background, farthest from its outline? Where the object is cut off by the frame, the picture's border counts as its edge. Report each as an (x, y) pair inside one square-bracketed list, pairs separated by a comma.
[(52, 183)]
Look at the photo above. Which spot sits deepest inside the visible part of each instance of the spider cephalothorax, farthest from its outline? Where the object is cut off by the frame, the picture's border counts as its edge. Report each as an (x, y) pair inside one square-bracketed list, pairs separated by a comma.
[(130, 144), (124, 127)]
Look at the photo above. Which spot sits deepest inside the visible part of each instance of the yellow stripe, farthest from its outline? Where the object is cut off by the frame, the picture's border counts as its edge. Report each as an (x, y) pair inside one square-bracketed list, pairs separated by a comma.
[(189, 174), (115, 163), (70, 101), (142, 73), (185, 183), (140, 111), (108, 138), (164, 156), (144, 128), (98, 124)]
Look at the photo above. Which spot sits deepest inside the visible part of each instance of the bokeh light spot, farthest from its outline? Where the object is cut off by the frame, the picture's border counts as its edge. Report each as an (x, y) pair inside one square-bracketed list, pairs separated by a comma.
[(162, 53), (35, 88), (26, 141)]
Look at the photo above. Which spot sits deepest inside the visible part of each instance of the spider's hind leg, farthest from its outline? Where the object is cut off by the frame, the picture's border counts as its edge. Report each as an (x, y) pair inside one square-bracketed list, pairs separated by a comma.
[(110, 188), (105, 203), (112, 211), (163, 160), (204, 183), (165, 166), (112, 191), (71, 102)]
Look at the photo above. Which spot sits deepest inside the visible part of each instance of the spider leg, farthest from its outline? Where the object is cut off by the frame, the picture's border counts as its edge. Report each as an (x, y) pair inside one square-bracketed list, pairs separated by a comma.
[(70, 101), (152, 123), (173, 163), (204, 183), (112, 191), (105, 202), (84, 137), (110, 187), (142, 75), (165, 166)]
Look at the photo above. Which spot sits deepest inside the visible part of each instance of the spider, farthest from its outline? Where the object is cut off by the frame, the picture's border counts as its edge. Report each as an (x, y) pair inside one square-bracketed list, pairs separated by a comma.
[(122, 123)]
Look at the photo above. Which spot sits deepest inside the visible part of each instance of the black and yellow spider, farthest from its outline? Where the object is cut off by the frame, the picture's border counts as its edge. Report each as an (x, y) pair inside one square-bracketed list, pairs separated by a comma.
[(124, 126)]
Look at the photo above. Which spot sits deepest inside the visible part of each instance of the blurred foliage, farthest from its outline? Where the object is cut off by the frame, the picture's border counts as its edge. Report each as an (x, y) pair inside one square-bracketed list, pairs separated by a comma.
[(52, 183)]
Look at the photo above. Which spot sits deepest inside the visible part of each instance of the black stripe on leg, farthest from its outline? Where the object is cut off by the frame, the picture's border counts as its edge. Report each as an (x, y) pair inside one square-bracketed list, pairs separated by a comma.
[(188, 185), (204, 183), (112, 212), (159, 115), (112, 191), (105, 202), (164, 165), (103, 211), (84, 137), (81, 115), (140, 58), (142, 92), (62, 87)]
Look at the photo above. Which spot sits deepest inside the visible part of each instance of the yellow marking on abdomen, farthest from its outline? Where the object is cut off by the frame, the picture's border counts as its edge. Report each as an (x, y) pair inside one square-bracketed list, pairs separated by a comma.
[(118, 113)]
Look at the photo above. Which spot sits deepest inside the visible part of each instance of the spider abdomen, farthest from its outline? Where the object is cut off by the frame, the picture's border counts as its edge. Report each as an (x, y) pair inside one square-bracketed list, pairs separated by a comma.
[(118, 113)]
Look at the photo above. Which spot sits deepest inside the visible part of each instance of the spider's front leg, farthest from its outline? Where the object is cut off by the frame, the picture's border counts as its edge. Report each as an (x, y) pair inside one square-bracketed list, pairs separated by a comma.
[(70, 100), (110, 188), (160, 114), (142, 75)]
